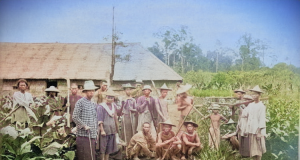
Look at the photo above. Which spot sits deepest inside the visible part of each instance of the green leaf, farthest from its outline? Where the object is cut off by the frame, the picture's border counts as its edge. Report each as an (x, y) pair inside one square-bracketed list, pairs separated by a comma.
[(70, 155), (52, 149)]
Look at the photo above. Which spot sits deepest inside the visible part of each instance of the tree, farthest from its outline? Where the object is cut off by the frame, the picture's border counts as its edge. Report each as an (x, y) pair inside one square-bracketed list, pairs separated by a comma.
[(157, 51)]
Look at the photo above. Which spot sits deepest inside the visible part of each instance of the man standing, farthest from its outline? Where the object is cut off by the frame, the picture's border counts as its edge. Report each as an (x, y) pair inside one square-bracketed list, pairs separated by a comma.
[(55, 103), (191, 141), (138, 89), (253, 141), (141, 144), (73, 98), (239, 94), (85, 117), (99, 96), (166, 138), (183, 101), (107, 121), (128, 111), (24, 100), (146, 107), (161, 104)]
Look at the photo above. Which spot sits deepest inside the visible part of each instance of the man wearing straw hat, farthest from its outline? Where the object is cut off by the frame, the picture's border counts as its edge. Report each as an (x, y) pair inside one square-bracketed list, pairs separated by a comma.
[(161, 104), (128, 111), (146, 108), (99, 96), (239, 94), (138, 89), (24, 100), (253, 140), (56, 103), (166, 138), (183, 101), (85, 117), (214, 135), (108, 127), (141, 144), (191, 141)]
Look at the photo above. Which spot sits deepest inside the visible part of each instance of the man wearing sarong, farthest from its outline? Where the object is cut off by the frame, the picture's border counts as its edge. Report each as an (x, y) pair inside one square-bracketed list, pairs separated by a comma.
[(137, 92), (146, 110), (73, 98), (141, 144), (161, 104), (128, 113), (85, 117), (253, 140), (190, 140), (214, 135), (108, 127), (56, 103), (166, 138), (99, 96), (23, 100)]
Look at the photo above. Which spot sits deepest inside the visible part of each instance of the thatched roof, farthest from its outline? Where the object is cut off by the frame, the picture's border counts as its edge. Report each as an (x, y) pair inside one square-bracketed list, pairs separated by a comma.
[(80, 61)]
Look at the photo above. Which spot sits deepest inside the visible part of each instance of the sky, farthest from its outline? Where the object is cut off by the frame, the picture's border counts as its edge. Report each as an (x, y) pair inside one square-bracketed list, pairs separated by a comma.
[(275, 22)]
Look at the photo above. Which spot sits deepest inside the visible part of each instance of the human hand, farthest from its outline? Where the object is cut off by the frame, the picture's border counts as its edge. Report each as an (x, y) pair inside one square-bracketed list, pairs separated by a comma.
[(87, 128), (103, 133)]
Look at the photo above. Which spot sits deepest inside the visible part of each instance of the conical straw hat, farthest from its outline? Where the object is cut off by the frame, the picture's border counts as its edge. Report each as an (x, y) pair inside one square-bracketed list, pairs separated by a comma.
[(239, 90), (51, 89), (139, 81), (190, 122), (110, 92), (248, 97), (168, 122), (164, 86), (147, 87), (230, 121), (256, 89), (183, 88), (215, 107), (128, 85)]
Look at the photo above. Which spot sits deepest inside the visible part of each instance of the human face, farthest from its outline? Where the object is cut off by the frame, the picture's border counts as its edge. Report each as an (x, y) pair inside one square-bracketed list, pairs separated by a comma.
[(74, 90), (215, 111), (104, 87), (52, 94), (190, 128), (164, 93), (167, 128), (239, 95), (128, 91), (89, 94), (146, 128), (146, 91), (110, 99), (22, 86), (255, 96)]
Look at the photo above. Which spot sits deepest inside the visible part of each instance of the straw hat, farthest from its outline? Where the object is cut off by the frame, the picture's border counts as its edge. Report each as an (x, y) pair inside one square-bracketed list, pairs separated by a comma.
[(168, 122), (104, 84), (248, 97), (128, 85), (190, 122), (147, 87), (139, 81), (239, 90), (52, 89), (183, 88), (22, 80), (256, 89), (164, 87), (89, 85), (110, 92), (215, 107), (230, 121)]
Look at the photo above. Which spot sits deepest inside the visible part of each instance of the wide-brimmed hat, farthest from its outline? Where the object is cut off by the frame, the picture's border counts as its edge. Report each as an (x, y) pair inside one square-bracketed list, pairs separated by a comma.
[(110, 92), (139, 81), (215, 107), (183, 88), (248, 97), (147, 87), (256, 89), (89, 85), (168, 122), (104, 84), (190, 122), (128, 85), (22, 80), (239, 90), (51, 89), (164, 87)]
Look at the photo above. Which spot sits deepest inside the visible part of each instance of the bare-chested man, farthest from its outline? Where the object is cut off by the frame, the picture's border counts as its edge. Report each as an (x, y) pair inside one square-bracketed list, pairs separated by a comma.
[(214, 135), (183, 101), (166, 138), (99, 96), (191, 141)]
